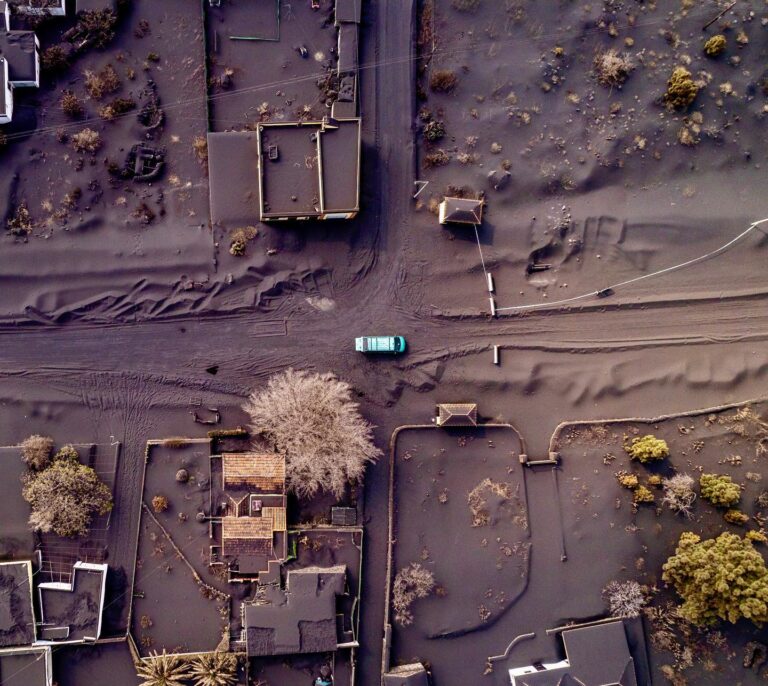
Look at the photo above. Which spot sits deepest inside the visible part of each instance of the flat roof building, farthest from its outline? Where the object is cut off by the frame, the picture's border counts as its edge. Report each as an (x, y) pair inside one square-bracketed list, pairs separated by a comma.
[(26, 666), (596, 655), (296, 170), (299, 619), (406, 675), (17, 615), (71, 612), (19, 62)]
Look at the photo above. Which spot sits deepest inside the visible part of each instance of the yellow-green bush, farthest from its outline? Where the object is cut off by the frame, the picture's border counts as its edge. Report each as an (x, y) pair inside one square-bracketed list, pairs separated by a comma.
[(647, 448), (681, 89), (721, 578), (643, 495), (627, 480), (736, 517), (715, 45), (719, 490), (756, 536)]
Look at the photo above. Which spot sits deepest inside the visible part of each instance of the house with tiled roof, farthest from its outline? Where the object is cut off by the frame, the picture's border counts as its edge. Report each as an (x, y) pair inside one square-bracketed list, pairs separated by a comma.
[(249, 515)]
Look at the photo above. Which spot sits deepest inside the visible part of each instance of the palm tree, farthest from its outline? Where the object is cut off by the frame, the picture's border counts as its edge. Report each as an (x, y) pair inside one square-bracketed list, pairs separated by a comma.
[(214, 669), (162, 670)]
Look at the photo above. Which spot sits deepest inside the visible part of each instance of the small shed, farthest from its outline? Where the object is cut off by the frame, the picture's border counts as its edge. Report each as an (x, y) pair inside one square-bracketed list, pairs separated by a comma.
[(406, 675), (343, 516), (456, 414), (461, 211)]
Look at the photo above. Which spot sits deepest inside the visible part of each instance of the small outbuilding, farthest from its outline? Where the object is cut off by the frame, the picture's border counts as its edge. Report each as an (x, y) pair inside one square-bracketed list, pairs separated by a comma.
[(456, 414), (406, 675), (461, 211)]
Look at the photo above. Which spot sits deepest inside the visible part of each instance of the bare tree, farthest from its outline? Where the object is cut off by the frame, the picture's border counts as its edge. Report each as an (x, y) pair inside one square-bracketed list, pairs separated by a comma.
[(411, 583), (679, 495), (624, 598), (312, 420)]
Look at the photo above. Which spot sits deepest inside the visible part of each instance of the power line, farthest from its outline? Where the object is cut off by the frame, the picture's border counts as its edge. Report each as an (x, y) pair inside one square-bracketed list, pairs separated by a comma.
[(666, 270)]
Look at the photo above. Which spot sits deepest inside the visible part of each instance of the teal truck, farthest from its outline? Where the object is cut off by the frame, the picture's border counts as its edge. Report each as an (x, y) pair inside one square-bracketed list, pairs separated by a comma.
[(380, 344)]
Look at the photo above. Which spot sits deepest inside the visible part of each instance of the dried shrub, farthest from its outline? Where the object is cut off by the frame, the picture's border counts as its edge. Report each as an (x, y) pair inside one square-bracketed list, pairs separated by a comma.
[(104, 82), (679, 495), (434, 130), (87, 140), (489, 499), (721, 578), (719, 490), (625, 599), (64, 498), (756, 536), (443, 81), (116, 108), (54, 60), (436, 158), (71, 105), (465, 5), (612, 68), (410, 584), (647, 448), (311, 419), (160, 503), (20, 223), (238, 240), (36, 451), (200, 146), (162, 670), (98, 26), (144, 213), (654, 480), (214, 669), (715, 46), (681, 89)]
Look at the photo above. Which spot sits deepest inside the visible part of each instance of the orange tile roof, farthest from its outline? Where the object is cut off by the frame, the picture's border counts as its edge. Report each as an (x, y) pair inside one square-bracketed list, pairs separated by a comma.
[(264, 473)]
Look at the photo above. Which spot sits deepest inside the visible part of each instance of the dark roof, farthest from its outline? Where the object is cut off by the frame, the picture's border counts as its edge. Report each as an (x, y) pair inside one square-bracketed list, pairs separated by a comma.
[(597, 656), (461, 210), (3, 84), (343, 516), (347, 48), (348, 11), (233, 171), (340, 150), (26, 667), (299, 619), (406, 675), (17, 619), (72, 612), (457, 414), (20, 49), (17, 541)]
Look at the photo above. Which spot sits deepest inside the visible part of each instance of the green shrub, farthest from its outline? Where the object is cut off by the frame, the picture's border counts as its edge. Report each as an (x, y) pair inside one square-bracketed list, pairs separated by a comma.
[(736, 517), (719, 490), (67, 452), (681, 89), (721, 578), (434, 130), (647, 449), (715, 46), (64, 498)]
